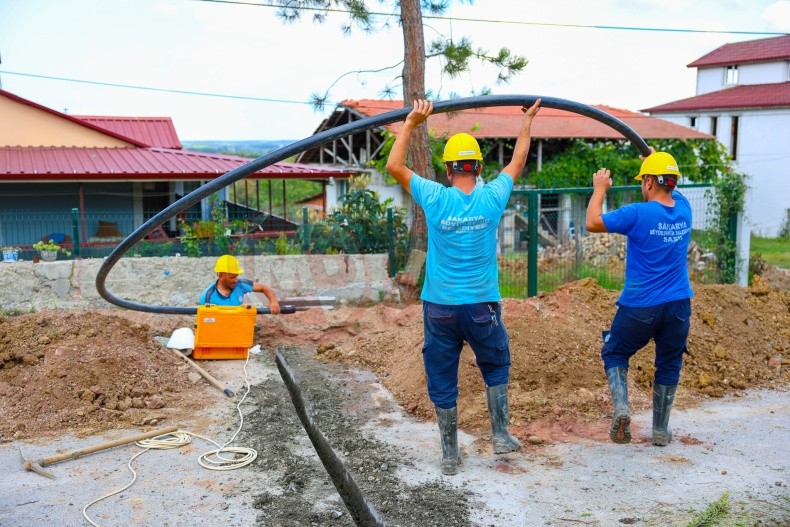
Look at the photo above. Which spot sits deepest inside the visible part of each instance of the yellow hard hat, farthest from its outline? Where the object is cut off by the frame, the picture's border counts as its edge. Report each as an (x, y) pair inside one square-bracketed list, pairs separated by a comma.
[(228, 264), (461, 146), (658, 164)]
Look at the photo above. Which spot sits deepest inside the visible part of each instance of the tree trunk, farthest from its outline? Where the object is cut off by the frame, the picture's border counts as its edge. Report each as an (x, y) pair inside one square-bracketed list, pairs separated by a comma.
[(414, 88)]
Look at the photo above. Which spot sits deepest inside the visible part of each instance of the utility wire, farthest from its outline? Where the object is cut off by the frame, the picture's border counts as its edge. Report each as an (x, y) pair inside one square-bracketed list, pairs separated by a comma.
[(276, 5), (148, 88)]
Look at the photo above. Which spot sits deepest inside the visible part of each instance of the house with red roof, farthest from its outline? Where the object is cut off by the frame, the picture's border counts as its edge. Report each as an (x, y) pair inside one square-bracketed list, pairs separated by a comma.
[(498, 127), (125, 168), (551, 131), (743, 98)]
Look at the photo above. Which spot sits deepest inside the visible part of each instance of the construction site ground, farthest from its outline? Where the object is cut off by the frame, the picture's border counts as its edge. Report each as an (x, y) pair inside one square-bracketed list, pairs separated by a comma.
[(72, 379)]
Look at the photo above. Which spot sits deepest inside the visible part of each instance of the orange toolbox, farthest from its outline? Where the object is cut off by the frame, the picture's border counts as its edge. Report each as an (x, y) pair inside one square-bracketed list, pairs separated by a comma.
[(224, 332)]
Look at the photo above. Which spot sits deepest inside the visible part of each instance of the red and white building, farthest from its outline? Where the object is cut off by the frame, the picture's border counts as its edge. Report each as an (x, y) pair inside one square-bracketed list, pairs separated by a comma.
[(743, 98)]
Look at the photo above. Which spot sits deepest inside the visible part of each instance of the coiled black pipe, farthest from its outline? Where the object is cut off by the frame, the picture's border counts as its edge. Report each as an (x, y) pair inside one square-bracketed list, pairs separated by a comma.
[(317, 140)]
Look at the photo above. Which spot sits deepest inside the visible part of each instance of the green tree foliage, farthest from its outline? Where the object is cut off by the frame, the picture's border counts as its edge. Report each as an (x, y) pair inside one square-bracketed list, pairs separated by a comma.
[(700, 161), (358, 225)]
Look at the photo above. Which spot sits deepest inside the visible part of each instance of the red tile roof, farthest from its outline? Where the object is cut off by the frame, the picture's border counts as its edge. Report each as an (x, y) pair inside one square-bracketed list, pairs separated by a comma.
[(763, 50), (26, 164), (745, 96), (505, 122), (152, 131)]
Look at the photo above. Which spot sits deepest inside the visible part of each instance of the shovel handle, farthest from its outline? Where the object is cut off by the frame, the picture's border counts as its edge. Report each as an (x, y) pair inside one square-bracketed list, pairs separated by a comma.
[(104, 446), (206, 375)]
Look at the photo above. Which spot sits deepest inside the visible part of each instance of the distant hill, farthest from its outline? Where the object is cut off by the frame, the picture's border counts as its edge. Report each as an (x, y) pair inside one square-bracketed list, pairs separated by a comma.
[(251, 149)]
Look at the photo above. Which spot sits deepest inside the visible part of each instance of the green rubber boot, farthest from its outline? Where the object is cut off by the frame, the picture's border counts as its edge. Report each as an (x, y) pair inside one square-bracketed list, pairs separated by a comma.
[(620, 431), (448, 431), (663, 397), (499, 413)]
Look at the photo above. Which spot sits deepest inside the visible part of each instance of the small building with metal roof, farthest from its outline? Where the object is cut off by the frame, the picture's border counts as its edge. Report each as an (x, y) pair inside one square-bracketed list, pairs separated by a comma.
[(52, 162)]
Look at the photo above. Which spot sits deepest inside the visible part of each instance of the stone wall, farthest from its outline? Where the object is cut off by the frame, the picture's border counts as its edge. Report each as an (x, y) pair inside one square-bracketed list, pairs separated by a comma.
[(177, 281)]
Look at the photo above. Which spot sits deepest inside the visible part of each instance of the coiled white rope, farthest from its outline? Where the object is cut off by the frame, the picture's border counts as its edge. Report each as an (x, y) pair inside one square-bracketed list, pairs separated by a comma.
[(211, 460)]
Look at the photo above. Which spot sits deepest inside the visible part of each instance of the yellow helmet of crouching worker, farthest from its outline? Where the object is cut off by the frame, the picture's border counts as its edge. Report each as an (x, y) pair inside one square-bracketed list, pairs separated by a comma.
[(658, 164), (461, 147), (228, 264)]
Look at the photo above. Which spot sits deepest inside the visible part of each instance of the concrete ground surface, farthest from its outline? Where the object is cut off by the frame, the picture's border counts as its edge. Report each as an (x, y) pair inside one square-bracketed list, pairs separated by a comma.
[(736, 445)]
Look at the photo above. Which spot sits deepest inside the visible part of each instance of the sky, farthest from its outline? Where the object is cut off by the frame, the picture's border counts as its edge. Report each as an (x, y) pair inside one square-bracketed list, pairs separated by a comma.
[(234, 71)]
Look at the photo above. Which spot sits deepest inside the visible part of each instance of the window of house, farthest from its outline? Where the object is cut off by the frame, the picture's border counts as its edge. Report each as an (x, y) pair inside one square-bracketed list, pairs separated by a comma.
[(734, 138), (714, 123), (693, 122), (731, 75)]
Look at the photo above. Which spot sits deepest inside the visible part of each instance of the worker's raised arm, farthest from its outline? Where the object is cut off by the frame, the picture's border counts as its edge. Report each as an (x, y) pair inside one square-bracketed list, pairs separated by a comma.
[(602, 181), (396, 163), (520, 151)]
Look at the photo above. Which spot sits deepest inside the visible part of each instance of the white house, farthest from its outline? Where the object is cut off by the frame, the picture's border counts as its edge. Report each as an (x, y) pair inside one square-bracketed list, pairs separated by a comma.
[(743, 98)]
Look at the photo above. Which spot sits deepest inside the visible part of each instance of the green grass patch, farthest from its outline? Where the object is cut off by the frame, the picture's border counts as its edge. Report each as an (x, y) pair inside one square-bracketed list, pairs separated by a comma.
[(514, 285), (775, 251)]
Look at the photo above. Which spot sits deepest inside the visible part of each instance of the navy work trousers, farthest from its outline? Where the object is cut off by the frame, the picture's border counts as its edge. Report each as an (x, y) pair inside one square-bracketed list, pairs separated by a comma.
[(633, 327), (446, 328)]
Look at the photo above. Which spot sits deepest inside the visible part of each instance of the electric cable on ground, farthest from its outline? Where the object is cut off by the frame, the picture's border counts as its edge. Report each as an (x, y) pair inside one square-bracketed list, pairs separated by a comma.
[(211, 460)]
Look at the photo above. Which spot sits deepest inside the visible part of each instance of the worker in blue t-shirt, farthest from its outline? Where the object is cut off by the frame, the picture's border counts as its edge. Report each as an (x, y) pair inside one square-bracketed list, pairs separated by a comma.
[(461, 291), (229, 289), (656, 300)]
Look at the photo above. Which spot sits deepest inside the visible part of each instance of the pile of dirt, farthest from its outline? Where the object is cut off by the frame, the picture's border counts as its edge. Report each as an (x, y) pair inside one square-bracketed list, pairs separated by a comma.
[(85, 372), (739, 339), (93, 370)]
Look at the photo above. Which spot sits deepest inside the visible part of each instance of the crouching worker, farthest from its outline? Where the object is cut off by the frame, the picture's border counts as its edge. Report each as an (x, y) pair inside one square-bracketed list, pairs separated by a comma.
[(229, 289), (656, 300), (461, 290)]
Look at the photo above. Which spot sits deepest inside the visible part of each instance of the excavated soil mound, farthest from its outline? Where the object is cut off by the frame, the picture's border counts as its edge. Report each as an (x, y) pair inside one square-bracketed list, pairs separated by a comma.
[(85, 372), (93, 370), (740, 338)]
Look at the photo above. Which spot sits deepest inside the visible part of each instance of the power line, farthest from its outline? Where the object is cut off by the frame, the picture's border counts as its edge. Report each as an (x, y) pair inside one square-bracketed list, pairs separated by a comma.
[(498, 21), (148, 88)]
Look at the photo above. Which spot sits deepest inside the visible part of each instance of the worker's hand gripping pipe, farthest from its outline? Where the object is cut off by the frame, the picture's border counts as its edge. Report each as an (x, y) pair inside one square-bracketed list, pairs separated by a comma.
[(317, 140)]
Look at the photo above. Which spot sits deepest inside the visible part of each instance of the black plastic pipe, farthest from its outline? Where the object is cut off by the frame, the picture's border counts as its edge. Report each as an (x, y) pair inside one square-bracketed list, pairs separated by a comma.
[(317, 140), (362, 511)]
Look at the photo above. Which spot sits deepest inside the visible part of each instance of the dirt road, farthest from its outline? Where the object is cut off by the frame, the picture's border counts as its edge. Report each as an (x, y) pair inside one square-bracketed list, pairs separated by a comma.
[(736, 445), (72, 379)]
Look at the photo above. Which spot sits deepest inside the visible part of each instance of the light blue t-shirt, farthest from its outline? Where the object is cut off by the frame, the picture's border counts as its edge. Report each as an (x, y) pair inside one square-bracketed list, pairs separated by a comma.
[(235, 298), (656, 250), (461, 265)]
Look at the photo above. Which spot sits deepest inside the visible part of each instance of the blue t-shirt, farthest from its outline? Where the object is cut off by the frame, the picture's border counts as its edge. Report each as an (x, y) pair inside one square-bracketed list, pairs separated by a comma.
[(656, 250), (461, 265), (235, 298)]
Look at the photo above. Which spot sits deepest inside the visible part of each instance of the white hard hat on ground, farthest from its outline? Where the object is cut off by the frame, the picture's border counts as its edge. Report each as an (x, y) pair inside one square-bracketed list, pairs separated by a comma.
[(182, 339)]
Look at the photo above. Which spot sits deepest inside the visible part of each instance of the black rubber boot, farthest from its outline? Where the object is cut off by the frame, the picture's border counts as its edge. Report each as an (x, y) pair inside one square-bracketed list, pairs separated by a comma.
[(499, 413), (663, 397), (448, 431), (620, 432)]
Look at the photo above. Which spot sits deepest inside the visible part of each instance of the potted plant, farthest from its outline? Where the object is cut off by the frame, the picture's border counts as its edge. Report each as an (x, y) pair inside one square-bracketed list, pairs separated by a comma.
[(48, 250), (11, 254)]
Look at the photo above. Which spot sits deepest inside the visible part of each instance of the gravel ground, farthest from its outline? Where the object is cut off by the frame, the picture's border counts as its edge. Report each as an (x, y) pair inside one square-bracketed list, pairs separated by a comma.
[(735, 445)]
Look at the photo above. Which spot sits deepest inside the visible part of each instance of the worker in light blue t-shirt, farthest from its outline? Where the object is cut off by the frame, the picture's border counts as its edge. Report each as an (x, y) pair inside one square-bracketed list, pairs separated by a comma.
[(229, 289), (461, 291), (656, 300)]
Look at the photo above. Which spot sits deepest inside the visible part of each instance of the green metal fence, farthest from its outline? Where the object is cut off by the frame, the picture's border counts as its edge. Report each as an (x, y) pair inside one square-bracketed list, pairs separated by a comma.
[(544, 243), (542, 239)]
